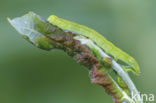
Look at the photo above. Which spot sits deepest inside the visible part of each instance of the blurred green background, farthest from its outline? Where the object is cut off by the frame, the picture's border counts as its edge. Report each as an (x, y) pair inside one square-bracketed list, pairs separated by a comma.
[(31, 75)]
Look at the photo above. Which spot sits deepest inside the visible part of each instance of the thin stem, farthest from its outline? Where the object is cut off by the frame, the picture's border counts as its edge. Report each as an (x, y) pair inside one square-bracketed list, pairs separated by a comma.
[(127, 80)]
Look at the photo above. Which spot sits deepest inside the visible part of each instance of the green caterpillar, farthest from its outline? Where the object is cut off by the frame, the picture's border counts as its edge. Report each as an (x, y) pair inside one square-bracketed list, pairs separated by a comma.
[(98, 39)]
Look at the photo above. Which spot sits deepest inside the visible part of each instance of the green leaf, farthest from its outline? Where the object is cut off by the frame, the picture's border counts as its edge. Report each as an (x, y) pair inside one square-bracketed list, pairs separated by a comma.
[(26, 26)]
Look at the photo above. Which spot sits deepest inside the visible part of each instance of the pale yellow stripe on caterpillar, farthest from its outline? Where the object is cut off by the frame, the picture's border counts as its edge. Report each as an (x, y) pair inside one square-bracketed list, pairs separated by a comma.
[(98, 39)]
